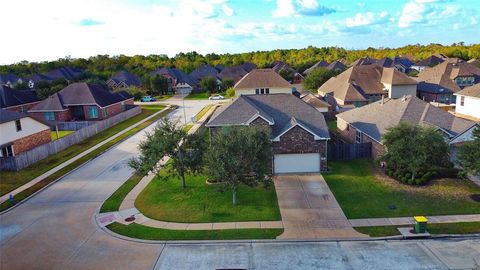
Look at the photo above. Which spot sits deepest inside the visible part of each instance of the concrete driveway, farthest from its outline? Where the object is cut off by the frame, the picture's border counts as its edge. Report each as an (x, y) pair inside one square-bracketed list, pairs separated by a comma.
[(309, 210)]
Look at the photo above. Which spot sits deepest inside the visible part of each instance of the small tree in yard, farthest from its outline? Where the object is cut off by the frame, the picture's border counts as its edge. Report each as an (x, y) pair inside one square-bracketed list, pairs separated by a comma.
[(208, 84), (413, 150), (227, 83), (240, 155), (230, 92), (159, 84), (469, 154), (168, 139)]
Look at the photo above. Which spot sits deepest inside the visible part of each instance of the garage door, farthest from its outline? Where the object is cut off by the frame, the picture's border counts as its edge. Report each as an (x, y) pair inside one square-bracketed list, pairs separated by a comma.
[(296, 163)]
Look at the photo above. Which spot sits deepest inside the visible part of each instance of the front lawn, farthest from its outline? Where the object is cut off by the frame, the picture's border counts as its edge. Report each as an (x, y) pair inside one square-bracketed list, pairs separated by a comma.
[(148, 233), (61, 133), (12, 180), (201, 202), (438, 228), (197, 96), (332, 125), (363, 192), (162, 97)]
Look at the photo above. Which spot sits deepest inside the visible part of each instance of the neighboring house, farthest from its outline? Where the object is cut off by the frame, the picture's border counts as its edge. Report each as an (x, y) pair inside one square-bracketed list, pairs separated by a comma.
[(36, 78), (439, 83), (468, 102), (204, 71), (248, 66), (80, 102), (370, 123), (364, 61), (123, 79), (429, 62), (385, 62), (21, 133), (68, 73), (362, 84), (235, 73), (279, 66), (402, 64), (337, 66), (319, 64), (262, 82), (319, 104), (17, 100), (10, 80), (178, 81), (475, 62), (219, 67), (299, 131)]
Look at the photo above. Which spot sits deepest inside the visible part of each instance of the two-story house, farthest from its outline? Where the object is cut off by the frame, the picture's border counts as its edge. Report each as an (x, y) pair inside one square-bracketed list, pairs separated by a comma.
[(468, 103), (178, 81), (262, 82)]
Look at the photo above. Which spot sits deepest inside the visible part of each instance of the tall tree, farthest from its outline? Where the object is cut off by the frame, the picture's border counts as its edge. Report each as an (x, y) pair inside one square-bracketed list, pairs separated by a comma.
[(240, 155), (159, 84), (227, 83), (469, 154), (208, 84), (317, 77), (168, 139), (413, 148)]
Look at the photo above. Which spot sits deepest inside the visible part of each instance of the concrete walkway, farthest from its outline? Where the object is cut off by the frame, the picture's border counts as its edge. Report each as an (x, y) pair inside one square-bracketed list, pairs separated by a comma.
[(309, 210), (70, 161), (368, 222)]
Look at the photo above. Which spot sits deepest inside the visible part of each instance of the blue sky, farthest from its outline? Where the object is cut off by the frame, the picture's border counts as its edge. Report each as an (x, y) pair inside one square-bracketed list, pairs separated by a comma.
[(50, 29)]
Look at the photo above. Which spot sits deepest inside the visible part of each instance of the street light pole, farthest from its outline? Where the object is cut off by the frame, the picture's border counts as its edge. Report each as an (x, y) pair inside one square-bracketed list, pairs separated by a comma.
[(184, 113)]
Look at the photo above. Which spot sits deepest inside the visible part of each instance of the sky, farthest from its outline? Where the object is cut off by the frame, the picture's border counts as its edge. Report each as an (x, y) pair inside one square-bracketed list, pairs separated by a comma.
[(45, 30)]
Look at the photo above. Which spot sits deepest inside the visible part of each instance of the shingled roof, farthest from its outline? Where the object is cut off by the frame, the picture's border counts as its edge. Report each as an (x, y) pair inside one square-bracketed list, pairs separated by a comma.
[(179, 75), (319, 64), (431, 61), (235, 73), (127, 78), (67, 73), (262, 78), (395, 77), (440, 77), (471, 91), (315, 101), (80, 94), (376, 118), (10, 97), (336, 65), (204, 71), (281, 110)]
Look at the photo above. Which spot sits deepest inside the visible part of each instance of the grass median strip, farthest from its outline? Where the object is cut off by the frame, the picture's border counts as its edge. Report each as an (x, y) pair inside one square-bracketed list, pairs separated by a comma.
[(22, 195), (438, 228), (148, 233), (202, 112)]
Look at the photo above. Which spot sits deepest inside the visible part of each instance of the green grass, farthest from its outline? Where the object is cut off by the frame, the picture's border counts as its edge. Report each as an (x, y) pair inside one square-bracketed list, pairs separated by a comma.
[(115, 200), (29, 173), (203, 112), (362, 194), (61, 133), (439, 228), (163, 97), (198, 96), (187, 127), (148, 233), (201, 202), (332, 125)]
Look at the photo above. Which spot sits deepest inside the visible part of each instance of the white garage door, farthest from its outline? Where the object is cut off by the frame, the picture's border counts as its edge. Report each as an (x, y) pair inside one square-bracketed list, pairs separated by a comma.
[(296, 163)]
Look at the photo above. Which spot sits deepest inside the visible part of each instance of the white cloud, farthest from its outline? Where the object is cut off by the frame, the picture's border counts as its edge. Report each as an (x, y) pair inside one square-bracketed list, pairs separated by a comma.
[(297, 8), (360, 19), (284, 9)]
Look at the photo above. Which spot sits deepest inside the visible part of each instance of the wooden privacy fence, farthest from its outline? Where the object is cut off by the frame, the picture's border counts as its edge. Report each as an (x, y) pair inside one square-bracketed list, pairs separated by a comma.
[(349, 151), (27, 158)]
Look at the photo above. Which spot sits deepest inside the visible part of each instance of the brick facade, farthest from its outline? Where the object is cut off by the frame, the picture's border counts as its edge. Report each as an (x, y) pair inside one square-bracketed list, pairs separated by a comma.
[(348, 132), (27, 143), (25, 108)]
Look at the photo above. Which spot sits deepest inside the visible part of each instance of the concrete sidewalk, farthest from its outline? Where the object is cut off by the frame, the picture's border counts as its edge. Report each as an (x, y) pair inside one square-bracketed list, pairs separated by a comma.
[(70, 161), (399, 221)]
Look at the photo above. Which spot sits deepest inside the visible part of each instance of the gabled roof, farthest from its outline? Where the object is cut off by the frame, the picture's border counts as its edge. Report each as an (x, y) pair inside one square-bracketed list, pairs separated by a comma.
[(431, 61), (260, 78), (235, 73), (281, 108), (395, 77), (5, 78), (404, 61), (204, 71), (67, 73), (175, 73), (126, 77), (315, 101), (10, 97), (278, 66), (376, 118), (80, 94), (471, 91), (39, 77), (319, 64), (248, 66), (442, 75), (8, 116), (364, 61), (385, 62), (336, 65)]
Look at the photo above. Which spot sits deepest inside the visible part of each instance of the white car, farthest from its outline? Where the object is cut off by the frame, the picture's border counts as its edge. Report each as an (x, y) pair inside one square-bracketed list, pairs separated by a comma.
[(216, 97)]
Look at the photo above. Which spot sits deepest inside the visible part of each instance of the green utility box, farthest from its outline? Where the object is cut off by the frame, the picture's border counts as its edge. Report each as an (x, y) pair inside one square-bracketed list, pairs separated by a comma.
[(420, 224)]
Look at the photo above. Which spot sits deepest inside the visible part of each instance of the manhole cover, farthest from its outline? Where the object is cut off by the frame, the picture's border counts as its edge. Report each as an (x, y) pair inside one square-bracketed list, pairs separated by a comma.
[(475, 197), (130, 219)]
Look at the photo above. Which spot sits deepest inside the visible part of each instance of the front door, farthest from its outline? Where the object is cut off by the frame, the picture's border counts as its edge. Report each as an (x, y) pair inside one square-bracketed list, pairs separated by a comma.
[(78, 113)]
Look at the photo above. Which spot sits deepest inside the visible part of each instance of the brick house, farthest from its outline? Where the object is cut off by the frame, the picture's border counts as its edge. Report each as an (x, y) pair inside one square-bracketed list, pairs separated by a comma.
[(17, 100), (20, 133), (81, 102), (262, 82), (369, 123), (178, 81), (299, 131), (123, 79)]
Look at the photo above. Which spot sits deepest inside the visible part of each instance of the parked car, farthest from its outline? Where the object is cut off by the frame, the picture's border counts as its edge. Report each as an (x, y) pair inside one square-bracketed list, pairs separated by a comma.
[(216, 97), (148, 99)]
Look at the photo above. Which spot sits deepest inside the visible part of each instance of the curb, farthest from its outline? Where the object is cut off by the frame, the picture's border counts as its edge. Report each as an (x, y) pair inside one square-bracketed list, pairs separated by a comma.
[(75, 169)]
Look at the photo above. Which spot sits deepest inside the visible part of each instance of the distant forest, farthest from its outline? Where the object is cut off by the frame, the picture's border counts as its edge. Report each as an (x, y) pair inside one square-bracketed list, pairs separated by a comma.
[(104, 66)]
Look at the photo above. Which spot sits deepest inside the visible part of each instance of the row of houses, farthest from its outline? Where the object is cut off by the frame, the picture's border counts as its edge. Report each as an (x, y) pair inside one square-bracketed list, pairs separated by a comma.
[(68, 74)]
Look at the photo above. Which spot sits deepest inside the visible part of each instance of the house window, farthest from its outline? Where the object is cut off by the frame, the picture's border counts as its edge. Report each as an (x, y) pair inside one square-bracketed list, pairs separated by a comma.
[(18, 125), (49, 116), (462, 101), (104, 112), (93, 112), (262, 91), (358, 136), (257, 91), (6, 151), (22, 108), (267, 90)]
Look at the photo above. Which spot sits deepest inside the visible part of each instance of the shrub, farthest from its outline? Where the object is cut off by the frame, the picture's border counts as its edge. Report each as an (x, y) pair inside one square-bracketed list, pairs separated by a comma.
[(230, 92)]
